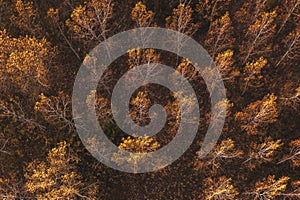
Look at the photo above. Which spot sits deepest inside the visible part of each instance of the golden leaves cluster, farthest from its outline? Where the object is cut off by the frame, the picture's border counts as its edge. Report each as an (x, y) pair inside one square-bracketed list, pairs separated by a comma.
[(140, 56), (219, 189), (258, 114), (269, 187), (181, 20), (139, 145), (226, 151), (141, 16), (24, 61), (56, 177), (26, 17), (89, 21)]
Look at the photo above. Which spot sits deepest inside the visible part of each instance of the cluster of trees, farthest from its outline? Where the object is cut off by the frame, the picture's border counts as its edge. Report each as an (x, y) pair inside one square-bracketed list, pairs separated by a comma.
[(255, 45)]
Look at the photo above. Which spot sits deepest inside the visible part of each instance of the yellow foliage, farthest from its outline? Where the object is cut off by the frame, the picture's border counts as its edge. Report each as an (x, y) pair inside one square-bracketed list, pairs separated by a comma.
[(56, 178), (89, 21), (224, 152), (253, 69), (265, 20), (141, 16), (53, 14), (295, 152), (140, 110), (139, 56), (269, 188), (219, 189), (220, 35), (24, 61), (138, 148), (257, 114), (263, 152), (100, 104), (139, 145), (186, 68), (224, 63), (26, 17), (181, 20)]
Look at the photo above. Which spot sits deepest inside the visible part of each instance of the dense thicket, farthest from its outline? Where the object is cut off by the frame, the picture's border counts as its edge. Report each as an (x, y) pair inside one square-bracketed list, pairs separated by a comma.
[(255, 45)]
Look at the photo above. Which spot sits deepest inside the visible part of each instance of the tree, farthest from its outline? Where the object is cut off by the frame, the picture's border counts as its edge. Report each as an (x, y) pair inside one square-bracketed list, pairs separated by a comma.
[(54, 17), (12, 190), (26, 17), (24, 63), (15, 112), (139, 56), (140, 108), (101, 105), (224, 152), (56, 178), (89, 22), (289, 8), (258, 36), (258, 114), (253, 72), (187, 70), (220, 36), (181, 20), (269, 188), (292, 100), (3, 146), (263, 152), (219, 189), (141, 16), (295, 193), (138, 146), (224, 63), (173, 119), (294, 155), (56, 110), (292, 47), (210, 10), (222, 110), (248, 13)]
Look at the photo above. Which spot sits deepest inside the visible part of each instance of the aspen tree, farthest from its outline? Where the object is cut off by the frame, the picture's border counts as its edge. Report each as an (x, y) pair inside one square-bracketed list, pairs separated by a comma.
[(140, 108), (252, 72), (56, 110), (26, 17), (181, 20), (89, 21), (224, 63), (292, 47), (24, 62), (56, 178), (141, 16), (294, 155), (290, 7), (139, 146), (224, 152), (258, 36), (219, 189), (210, 10), (220, 36), (295, 193), (263, 152), (269, 188), (293, 100), (258, 114)]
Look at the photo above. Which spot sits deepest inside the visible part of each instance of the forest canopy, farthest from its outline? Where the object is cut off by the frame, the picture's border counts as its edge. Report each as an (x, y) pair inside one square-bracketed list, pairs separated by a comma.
[(255, 46)]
